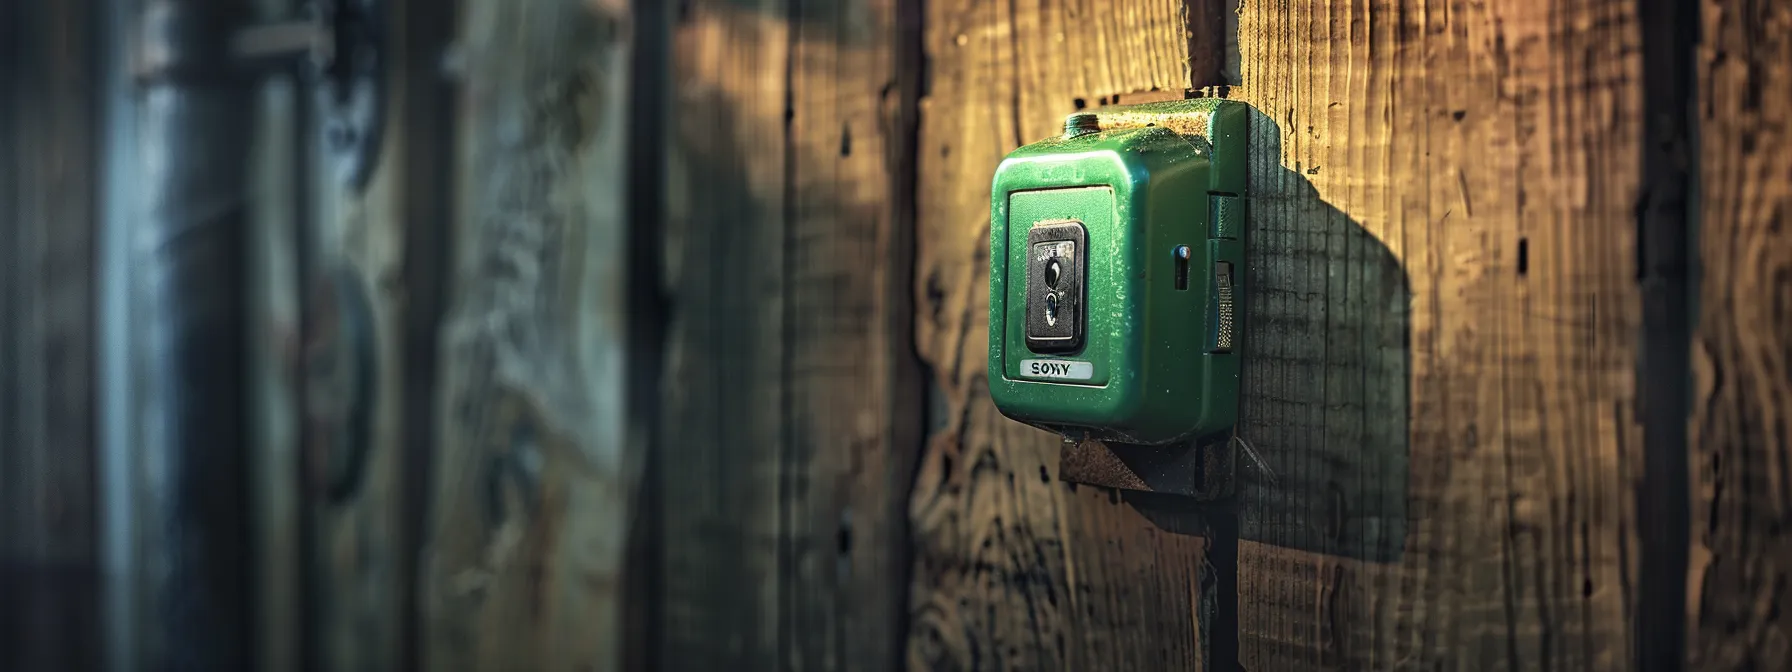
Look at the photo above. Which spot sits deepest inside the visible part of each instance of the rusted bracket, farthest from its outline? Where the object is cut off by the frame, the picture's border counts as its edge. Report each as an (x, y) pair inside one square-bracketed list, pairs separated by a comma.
[(1203, 471), (338, 47)]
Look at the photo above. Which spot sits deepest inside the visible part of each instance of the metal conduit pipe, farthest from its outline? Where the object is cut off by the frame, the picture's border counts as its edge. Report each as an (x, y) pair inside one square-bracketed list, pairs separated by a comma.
[(189, 508)]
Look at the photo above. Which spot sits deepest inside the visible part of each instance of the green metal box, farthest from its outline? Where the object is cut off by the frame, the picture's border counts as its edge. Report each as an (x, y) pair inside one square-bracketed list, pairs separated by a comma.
[(1116, 261)]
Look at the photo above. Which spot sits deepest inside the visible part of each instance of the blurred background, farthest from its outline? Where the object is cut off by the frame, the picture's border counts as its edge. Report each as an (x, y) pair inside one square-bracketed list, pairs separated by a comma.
[(289, 384), (639, 334)]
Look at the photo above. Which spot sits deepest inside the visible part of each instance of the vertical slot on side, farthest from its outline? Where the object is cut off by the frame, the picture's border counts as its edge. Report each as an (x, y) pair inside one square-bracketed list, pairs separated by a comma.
[(1222, 329)]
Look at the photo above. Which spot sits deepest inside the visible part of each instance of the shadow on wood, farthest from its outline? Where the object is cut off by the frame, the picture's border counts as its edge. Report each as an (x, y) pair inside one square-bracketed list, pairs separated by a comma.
[(787, 433), (1326, 376), (848, 23)]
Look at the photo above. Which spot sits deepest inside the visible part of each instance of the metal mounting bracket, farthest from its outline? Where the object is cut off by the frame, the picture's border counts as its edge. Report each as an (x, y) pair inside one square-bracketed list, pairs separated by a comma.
[(1204, 471), (338, 47)]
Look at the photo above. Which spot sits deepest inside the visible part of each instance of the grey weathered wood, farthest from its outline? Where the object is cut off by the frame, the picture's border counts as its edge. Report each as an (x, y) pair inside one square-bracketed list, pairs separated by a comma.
[(387, 243), (533, 480)]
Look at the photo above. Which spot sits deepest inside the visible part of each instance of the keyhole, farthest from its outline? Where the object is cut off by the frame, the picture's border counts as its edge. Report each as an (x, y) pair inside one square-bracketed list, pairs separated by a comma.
[(1051, 309), (1052, 272)]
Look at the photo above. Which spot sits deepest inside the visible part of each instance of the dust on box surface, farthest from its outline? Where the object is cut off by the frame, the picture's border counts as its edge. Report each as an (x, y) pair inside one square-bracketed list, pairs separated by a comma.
[(1144, 370)]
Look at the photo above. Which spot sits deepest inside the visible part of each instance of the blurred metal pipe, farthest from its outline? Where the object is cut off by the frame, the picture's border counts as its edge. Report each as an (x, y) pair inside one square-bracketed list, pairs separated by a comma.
[(186, 441)]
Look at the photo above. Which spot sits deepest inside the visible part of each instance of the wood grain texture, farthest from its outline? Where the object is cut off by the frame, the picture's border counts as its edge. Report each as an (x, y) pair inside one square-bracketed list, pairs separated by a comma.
[(48, 243), (1441, 332), (790, 424), (1013, 569), (1741, 573), (1492, 150), (534, 476)]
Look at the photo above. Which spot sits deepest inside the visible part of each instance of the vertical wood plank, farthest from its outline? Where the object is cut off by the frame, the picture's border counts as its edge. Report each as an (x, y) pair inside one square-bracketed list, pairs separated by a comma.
[(48, 242), (852, 412), (386, 244), (1492, 150), (724, 386), (1014, 569), (789, 416), (1741, 566), (534, 477)]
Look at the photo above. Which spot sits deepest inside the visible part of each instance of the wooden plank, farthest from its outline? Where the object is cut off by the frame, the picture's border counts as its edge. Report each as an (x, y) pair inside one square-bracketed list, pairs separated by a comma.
[(1742, 352), (48, 242), (721, 484), (1013, 569), (852, 422), (789, 418), (533, 480), (385, 244), (1491, 151)]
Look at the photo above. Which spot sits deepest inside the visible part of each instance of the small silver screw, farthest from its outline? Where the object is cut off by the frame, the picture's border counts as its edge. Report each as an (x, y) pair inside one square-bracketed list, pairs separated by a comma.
[(1081, 124)]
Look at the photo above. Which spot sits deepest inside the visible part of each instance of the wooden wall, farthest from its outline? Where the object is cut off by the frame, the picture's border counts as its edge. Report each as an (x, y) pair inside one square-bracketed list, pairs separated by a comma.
[(1444, 344), (1493, 150), (682, 367)]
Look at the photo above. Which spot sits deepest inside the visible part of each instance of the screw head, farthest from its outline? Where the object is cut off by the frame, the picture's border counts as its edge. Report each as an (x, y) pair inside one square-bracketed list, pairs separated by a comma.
[(1081, 124)]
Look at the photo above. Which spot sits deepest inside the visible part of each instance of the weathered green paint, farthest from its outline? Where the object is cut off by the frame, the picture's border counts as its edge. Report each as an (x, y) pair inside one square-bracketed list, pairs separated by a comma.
[(1140, 193)]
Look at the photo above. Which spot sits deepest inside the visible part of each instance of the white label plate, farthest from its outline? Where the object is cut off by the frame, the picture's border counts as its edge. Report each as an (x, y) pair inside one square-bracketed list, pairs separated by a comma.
[(1057, 369)]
